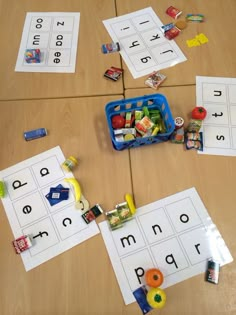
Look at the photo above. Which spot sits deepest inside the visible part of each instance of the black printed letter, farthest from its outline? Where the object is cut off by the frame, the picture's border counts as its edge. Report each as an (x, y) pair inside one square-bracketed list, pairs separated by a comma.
[(17, 184), (66, 219), (172, 261), (41, 234), (44, 171), (36, 41), (154, 228), (220, 137), (133, 44), (27, 209), (184, 218), (197, 245), (145, 59), (154, 37), (139, 275), (217, 93), (59, 41), (216, 115), (127, 239)]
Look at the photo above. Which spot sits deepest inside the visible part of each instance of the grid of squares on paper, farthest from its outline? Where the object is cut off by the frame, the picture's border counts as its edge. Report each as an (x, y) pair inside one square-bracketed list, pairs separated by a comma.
[(141, 38), (33, 211), (220, 124), (53, 36), (149, 238)]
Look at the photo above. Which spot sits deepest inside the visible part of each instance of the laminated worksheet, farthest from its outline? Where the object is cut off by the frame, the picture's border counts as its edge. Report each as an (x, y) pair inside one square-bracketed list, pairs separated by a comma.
[(143, 45), (55, 34), (53, 228), (174, 234), (218, 96)]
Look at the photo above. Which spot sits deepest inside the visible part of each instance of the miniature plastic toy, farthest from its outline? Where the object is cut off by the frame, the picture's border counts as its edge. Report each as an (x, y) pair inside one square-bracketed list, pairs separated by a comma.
[(199, 112), (22, 243), (35, 134), (130, 203), (69, 164), (110, 48), (33, 56), (2, 189), (154, 278), (156, 298), (76, 186), (92, 213)]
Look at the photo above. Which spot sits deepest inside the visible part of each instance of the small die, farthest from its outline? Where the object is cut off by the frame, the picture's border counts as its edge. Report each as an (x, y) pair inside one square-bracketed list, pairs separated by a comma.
[(33, 56)]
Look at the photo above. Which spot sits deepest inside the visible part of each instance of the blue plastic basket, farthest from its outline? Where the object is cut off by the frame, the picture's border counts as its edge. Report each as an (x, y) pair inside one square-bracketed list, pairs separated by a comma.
[(152, 101)]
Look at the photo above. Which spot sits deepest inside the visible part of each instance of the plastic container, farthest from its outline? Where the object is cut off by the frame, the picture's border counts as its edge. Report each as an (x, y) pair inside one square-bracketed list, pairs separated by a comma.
[(153, 101), (69, 164)]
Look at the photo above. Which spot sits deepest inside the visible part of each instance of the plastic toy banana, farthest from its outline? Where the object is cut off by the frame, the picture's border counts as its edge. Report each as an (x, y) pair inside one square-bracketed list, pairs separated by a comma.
[(76, 187), (130, 203)]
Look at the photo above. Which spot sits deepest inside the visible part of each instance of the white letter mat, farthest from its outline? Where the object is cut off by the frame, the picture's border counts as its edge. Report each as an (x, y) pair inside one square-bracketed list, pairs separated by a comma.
[(143, 45), (174, 234), (54, 229), (218, 96), (56, 35)]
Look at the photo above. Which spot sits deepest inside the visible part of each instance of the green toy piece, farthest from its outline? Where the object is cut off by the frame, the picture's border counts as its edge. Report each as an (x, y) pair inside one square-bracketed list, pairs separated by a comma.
[(2, 189)]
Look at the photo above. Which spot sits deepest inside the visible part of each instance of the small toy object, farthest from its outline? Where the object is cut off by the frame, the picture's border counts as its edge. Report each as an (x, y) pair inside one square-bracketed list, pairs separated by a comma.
[(110, 48), (2, 189), (69, 164), (22, 243), (128, 119), (198, 40), (144, 126), (213, 270), (113, 73), (140, 295), (114, 219), (167, 27), (194, 140), (118, 121), (172, 33), (155, 79), (178, 135), (202, 38), (179, 122), (130, 203), (129, 137), (199, 112), (181, 25), (57, 194), (154, 277), (33, 56), (124, 212), (76, 187), (125, 134), (194, 125), (156, 298), (173, 12), (92, 213), (82, 204), (35, 134), (195, 18)]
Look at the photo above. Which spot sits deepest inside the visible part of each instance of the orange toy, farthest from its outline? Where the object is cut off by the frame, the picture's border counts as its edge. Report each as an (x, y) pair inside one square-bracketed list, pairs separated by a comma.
[(154, 278)]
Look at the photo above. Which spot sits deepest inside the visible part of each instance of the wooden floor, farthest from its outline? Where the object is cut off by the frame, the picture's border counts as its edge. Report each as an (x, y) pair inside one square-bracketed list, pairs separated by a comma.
[(72, 107)]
